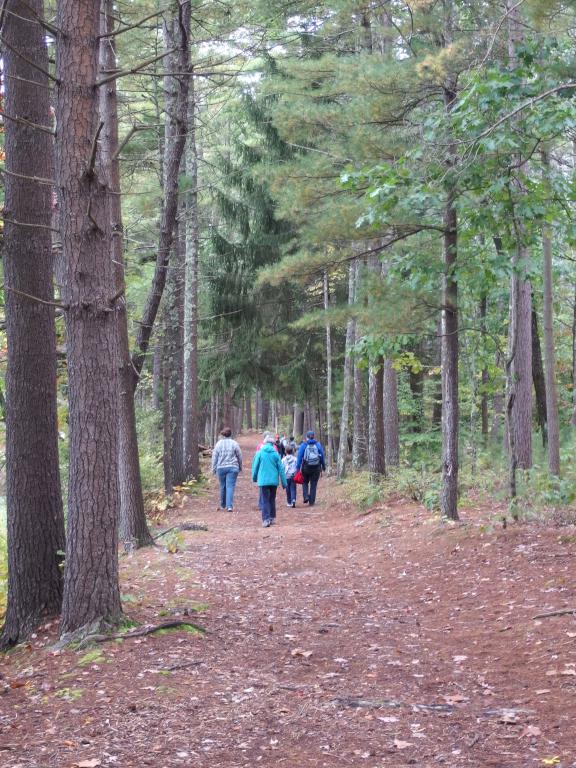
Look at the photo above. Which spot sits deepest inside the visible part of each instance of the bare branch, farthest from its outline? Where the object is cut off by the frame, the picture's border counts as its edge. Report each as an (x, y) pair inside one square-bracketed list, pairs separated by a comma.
[(26, 224), (23, 121), (35, 298), (32, 64), (134, 70)]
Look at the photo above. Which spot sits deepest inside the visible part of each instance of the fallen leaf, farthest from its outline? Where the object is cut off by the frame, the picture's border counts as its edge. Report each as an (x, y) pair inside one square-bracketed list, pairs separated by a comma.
[(457, 698), (17, 683), (94, 763), (402, 744), (568, 672), (531, 730), (551, 760), (302, 653), (542, 691), (458, 659)]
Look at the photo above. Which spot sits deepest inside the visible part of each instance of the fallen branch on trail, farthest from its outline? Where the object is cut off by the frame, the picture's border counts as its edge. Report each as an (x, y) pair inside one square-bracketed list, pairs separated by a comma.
[(139, 632), (562, 612), (182, 527)]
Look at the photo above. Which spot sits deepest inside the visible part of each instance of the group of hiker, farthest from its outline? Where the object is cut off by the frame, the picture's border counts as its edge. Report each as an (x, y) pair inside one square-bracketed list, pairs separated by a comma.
[(278, 461)]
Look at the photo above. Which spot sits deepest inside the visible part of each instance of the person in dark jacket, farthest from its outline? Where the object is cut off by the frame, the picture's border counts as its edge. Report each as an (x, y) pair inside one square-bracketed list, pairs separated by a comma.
[(267, 471), (311, 462)]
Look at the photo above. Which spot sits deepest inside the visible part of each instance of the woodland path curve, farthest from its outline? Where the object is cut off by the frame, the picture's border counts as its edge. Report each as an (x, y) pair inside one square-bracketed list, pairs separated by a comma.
[(335, 639)]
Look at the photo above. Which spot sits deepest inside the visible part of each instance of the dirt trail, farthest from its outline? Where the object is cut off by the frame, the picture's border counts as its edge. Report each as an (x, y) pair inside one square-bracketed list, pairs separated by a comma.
[(334, 640)]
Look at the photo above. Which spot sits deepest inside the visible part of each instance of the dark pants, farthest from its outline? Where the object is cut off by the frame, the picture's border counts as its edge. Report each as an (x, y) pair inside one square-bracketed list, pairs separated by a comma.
[(290, 490), (311, 477), (268, 498)]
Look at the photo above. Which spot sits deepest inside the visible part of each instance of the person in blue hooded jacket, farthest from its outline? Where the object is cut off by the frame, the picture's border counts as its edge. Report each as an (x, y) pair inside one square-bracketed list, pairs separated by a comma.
[(311, 462), (267, 471)]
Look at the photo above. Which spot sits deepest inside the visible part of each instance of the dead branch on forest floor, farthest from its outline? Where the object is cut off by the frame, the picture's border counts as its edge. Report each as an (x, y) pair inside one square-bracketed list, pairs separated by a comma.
[(182, 527), (140, 632), (562, 612)]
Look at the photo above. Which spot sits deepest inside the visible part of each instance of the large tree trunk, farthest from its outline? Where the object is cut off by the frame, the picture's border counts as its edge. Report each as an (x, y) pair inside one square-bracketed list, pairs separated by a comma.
[(133, 529), (391, 416), (35, 516), (450, 344), (298, 420), (191, 404), (329, 425), (249, 424), (347, 384), (91, 591), (538, 379), (520, 327), (359, 436), (176, 36), (485, 379), (549, 352), (173, 362), (376, 449)]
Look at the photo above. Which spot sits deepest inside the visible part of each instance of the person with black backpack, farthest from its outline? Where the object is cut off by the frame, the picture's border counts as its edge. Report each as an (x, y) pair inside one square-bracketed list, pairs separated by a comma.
[(311, 462)]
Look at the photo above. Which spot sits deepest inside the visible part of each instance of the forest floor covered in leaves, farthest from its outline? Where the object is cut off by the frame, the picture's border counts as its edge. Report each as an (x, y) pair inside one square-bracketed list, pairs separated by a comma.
[(333, 639)]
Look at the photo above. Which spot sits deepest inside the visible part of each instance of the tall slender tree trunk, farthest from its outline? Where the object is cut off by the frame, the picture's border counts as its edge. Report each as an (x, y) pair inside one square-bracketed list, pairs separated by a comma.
[(173, 359), (391, 415), (549, 350), (176, 38), (329, 425), (520, 327), (191, 403), (157, 358), (133, 528), (485, 379), (359, 436), (538, 379), (249, 424), (91, 591), (348, 382), (34, 503), (450, 342), (376, 448), (298, 420), (573, 419)]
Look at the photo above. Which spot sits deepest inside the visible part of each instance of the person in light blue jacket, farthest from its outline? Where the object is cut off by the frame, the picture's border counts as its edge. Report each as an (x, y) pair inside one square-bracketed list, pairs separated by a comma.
[(267, 471)]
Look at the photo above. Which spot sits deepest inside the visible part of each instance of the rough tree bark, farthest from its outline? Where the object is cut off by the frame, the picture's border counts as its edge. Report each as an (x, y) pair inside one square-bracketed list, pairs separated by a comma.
[(176, 37), (329, 425), (34, 503), (519, 406), (347, 384), (133, 528), (450, 342), (359, 438), (298, 420), (549, 350), (248, 412), (191, 415), (174, 363), (376, 447), (539, 379), (91, 591), (391, 415), (485, 378)]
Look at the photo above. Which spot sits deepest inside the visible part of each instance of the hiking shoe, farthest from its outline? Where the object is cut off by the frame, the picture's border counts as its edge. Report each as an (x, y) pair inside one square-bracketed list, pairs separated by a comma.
[(305, 501), (266, 524), (289, 505), (293, 505), (229, 509)]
